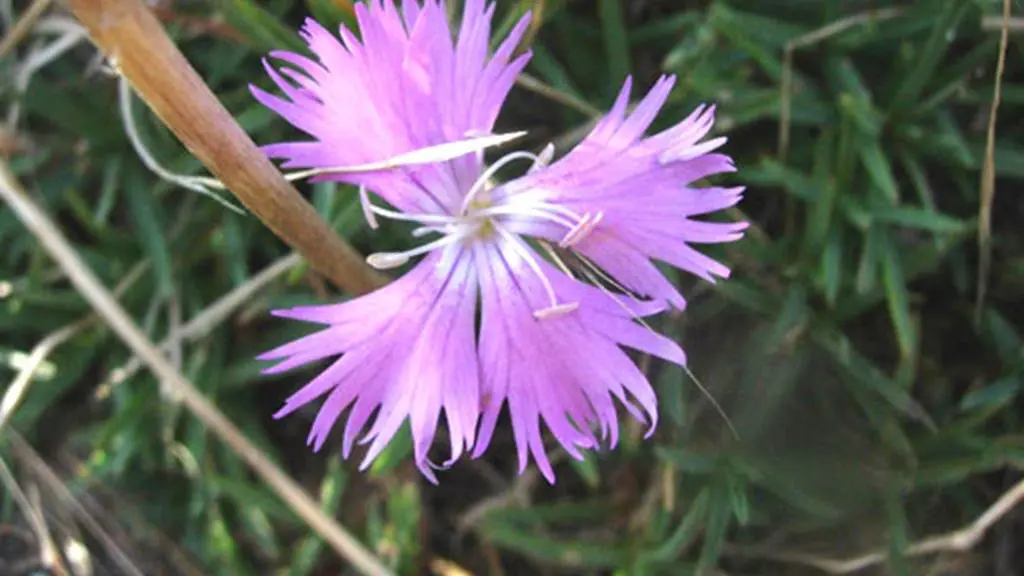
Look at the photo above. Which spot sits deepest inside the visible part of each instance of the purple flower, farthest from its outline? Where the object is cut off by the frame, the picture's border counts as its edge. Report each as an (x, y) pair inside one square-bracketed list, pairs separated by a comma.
[(406, 112)]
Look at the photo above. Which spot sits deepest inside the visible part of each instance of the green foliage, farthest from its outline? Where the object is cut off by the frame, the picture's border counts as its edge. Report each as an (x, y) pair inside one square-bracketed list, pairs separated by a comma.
[(871, 410)]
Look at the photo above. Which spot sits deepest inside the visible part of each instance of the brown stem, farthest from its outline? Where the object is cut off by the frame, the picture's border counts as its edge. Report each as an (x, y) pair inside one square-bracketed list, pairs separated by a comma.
[(200, 25), (128, 32)]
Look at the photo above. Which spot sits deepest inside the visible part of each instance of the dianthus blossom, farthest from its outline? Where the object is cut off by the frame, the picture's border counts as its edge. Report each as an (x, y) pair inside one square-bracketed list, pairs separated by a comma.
[(489, 316)]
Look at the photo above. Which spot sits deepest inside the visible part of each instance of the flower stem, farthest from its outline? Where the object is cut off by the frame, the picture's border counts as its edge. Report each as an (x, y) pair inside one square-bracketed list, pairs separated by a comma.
[(142, 53)]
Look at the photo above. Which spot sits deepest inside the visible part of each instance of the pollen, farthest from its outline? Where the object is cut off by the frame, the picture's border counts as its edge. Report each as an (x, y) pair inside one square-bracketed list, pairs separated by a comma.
[(486, 230)]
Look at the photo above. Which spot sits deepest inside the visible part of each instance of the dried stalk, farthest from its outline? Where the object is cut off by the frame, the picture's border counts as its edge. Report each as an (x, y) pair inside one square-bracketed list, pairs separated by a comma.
[(200, 325), (24, 26), (1013, 25), (28, 456), (49, 556), (107, 307), (988, 173), (132, 37), (21, 383), (960, 540)]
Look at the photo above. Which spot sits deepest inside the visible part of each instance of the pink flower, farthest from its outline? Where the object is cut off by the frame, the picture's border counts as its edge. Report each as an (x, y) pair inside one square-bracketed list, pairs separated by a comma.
[(406, 114)]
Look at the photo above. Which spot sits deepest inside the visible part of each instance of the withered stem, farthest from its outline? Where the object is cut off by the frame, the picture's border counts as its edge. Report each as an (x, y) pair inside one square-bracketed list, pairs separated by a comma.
[(129, 33)]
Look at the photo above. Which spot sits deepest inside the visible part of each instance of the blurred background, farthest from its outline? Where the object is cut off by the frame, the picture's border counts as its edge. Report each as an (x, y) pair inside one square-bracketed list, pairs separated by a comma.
[(875, 392)]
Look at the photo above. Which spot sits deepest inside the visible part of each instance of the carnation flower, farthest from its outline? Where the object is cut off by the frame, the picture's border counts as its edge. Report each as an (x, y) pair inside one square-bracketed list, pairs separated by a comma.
[(489, 316)]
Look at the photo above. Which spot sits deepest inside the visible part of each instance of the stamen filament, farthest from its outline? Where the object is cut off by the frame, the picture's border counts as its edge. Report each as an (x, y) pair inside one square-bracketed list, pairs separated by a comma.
[(602, 275), (388, 260), (506, 210), (468, 221), (570, 237), (370, 212), (556, 309), (517, 201), (421, 218), (556, 259), (583, 229), (481, 182), (424, 230)]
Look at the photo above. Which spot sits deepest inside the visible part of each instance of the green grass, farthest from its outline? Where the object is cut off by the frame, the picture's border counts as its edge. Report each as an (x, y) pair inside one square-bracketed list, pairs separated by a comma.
[(872, 408)]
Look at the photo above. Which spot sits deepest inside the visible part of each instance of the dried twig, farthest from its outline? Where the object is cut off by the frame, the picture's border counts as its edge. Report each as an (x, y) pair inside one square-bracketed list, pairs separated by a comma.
[(104, 509), (131, 130), (103, 302), (956, 541), (39, 57), (48, 550), (28, 457), (537, 13), (534, 85), (24, 26), (139, 48), (1013, 25), (517, 493), (16, 390), (988, 172), (209, 318)]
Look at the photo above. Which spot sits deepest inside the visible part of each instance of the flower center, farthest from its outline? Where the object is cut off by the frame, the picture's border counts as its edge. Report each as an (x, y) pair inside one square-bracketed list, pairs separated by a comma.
[(480, 219)]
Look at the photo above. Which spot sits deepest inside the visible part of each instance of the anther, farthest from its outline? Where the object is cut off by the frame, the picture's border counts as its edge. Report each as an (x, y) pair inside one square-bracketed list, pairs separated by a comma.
[(556, 310), (581, 230), (386, 260), (364, 201), (543, 159), (389, 260)]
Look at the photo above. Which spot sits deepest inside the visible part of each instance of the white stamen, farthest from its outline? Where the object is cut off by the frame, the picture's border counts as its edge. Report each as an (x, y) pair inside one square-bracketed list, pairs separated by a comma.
[(389, 260), (556, 259), (386, 260), (534, 211), (570, 237), (532, 263), (473, 133), (406, 217), (424, 230), (452, 150), (468, 221), (534, 199), (364, 201), (543, 159), (602, 275), (481, 182), (427, 155), (555, 311), (582, 229)]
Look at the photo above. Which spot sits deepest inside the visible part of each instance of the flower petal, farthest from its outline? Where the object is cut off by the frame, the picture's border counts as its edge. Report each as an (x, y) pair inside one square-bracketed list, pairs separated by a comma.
[(407, 352), (563, 370), (404, 85), (644, 190)]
